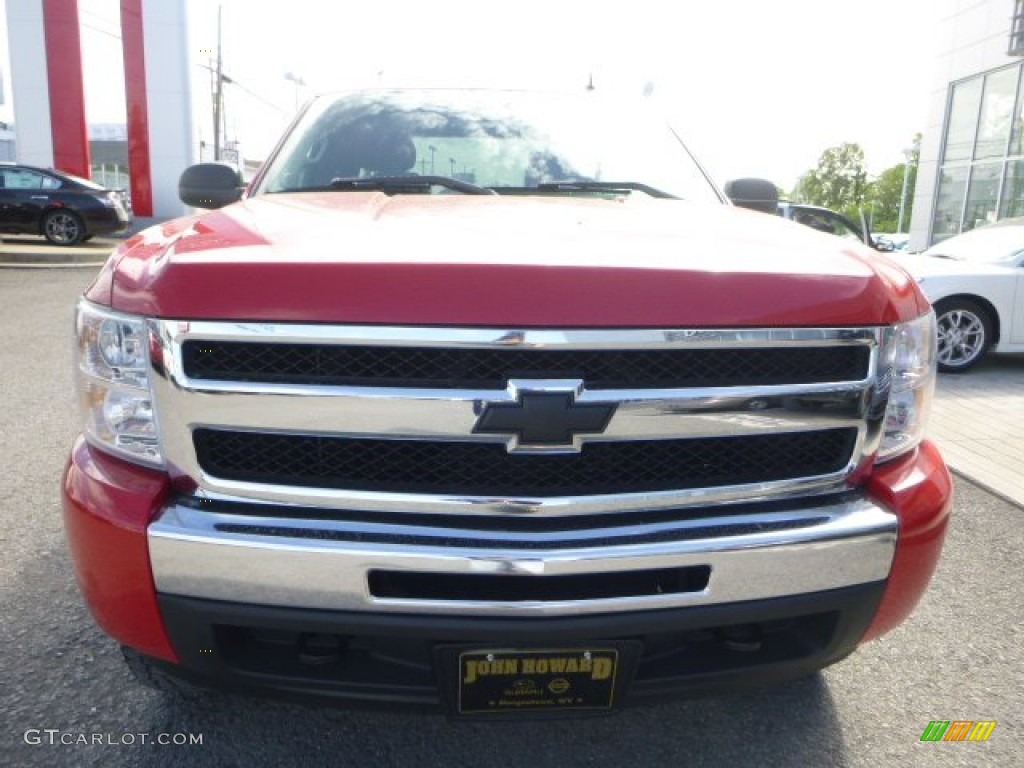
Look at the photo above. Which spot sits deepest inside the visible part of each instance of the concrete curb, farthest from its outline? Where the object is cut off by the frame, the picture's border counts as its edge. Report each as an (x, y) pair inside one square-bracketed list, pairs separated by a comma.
[(22, 251), (37, 265), (47, 258), (981, 482)]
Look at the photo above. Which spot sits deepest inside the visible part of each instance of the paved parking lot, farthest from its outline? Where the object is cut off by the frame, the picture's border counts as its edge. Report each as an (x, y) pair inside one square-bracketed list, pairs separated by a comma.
[(959, 657)]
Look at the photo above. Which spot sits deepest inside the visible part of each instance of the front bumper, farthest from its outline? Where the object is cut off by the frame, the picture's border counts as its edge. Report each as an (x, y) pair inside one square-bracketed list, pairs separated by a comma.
[(294, 559), (230, 603), (366, 658)]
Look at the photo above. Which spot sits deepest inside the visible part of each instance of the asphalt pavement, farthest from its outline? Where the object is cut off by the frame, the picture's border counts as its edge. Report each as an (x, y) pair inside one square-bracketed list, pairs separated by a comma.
[(67, 700)]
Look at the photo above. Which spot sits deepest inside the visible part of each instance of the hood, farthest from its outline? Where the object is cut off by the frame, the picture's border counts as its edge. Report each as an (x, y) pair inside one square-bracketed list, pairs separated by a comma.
[(923, 266), (365, 257)]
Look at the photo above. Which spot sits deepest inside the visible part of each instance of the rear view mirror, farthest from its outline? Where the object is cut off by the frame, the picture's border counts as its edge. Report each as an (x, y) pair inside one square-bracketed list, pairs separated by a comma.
[(755, 194)]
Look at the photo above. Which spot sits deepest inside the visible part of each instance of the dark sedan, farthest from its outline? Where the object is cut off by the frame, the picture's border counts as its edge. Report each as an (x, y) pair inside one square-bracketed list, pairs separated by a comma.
[(64, 209)]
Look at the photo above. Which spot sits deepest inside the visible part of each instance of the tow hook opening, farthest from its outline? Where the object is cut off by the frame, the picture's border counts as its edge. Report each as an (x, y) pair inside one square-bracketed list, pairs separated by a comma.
[(743, 638), (315, 649)]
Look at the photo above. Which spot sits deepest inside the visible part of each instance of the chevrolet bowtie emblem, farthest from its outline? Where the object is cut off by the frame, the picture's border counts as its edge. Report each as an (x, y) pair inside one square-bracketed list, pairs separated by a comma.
[(544, 417)]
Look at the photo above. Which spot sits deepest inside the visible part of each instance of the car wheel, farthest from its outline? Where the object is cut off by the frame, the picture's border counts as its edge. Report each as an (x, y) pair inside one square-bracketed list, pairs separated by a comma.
[(63, 227), (965, 334)]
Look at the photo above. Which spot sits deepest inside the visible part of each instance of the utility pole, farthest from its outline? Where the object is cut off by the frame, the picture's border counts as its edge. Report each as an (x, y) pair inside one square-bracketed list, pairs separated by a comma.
[(909, 154), (218, 93), (298, 82)]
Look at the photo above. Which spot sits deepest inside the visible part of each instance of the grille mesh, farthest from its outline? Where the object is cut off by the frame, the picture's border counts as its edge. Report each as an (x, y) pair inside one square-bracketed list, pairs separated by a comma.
[(486, 469), (328, 364)]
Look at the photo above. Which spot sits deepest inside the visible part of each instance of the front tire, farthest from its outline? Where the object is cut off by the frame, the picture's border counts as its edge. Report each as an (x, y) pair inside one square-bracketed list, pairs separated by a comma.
[(62, 227), (965, 334)]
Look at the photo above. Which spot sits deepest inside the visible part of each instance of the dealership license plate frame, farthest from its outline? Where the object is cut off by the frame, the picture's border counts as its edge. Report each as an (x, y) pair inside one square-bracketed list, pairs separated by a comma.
[(504, 682)]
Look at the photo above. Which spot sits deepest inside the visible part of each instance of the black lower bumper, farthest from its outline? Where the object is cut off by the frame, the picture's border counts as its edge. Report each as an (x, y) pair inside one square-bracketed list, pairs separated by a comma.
[(393, 659)]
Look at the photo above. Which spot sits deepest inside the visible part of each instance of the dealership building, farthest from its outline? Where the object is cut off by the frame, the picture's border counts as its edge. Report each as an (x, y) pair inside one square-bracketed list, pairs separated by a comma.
[(46, 74), (972, 153)]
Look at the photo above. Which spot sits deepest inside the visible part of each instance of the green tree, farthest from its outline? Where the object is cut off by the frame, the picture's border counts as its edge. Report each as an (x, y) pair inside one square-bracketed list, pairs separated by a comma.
[(886, 192), (839, 182), (884, 199)]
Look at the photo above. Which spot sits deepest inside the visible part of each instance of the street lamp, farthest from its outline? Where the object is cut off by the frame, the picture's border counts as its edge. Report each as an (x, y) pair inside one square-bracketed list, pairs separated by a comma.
[(909, 154), (298, 82)]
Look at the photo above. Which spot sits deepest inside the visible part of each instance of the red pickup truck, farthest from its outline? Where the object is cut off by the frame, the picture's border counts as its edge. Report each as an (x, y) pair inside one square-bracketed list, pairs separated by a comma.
[(493, 403)]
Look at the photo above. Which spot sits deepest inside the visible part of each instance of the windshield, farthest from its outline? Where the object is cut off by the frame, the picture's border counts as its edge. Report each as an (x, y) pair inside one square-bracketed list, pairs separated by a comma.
[(509, 142), (988, 245)]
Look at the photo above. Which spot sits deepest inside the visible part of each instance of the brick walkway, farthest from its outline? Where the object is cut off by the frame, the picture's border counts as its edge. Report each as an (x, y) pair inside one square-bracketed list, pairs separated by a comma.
[(978, 422)]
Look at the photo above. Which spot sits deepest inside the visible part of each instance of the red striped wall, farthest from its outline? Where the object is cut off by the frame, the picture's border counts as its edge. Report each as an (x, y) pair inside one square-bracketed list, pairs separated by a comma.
[(67, 90), (132, 40)]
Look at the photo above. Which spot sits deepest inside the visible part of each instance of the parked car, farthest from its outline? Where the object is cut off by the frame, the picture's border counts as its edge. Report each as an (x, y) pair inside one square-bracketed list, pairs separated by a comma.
[(760, 195), (64, 209), (898, 240), (976, 283), (827, 220)]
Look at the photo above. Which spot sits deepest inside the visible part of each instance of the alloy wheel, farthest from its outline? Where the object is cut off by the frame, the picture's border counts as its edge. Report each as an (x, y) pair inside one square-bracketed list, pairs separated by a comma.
[(962, 338), (62, 228)]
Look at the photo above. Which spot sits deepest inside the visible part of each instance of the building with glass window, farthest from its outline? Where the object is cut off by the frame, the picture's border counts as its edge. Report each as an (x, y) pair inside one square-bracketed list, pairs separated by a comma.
[(972, 155)]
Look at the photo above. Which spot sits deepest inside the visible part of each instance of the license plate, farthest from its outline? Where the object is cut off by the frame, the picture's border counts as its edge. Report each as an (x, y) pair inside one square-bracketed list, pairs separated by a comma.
[(507, 681)]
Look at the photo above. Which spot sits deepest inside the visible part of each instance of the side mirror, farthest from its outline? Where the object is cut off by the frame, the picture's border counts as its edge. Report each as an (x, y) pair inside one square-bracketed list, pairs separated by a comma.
[(755, 194), (210, 185), (883, 244), (879, 243)]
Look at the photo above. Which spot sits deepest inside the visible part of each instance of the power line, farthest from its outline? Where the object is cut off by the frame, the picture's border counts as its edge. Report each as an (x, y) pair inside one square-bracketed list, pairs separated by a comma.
[(253, 94), (226, 79), (102, 31), (256, 96), (107, 23)]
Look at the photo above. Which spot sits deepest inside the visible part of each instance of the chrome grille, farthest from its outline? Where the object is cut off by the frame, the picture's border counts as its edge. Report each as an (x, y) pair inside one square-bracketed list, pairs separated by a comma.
[(486, 469), (381, 419), (355, 365)]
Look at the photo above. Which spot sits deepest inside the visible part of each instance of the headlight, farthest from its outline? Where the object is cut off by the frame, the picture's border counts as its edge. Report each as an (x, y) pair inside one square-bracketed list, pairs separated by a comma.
[(909, 354), (112, 370)]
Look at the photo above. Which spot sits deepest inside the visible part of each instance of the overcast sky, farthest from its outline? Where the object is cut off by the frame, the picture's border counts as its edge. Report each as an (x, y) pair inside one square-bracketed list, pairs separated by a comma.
[(756, 88)]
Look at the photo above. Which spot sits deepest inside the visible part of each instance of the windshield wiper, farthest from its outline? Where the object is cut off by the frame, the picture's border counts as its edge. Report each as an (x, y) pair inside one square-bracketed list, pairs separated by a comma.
[(604, 186), (406, 185)]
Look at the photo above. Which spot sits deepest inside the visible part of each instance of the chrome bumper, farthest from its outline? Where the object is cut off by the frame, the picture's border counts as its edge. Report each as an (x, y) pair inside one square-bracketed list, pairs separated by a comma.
[(325, 564)]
